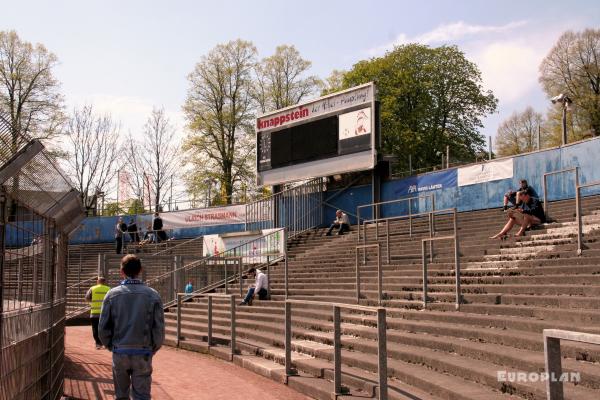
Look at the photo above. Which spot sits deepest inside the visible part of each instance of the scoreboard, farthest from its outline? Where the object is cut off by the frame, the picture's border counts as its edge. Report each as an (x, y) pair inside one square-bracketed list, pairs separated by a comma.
[(330, 135)]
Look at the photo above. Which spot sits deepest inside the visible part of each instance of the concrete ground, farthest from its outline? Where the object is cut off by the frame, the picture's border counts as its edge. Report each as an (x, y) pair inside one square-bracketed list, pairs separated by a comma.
[(178, 374)]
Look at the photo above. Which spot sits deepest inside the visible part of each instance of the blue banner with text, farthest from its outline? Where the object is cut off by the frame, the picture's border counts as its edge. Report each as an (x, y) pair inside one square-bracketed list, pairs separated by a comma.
[(424, 183)]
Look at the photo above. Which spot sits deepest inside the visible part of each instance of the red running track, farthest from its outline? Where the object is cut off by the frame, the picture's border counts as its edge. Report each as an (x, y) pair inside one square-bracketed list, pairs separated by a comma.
[(178, 374)]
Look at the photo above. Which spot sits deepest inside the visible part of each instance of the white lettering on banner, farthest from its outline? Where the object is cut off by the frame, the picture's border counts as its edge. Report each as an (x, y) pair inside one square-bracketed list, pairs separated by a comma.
[(487, 172), (356, 97), (268, 244), (205, 217), (355, 123)]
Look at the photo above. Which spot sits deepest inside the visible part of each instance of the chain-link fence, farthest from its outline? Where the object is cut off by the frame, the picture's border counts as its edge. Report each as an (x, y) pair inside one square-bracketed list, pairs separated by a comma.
[(38, 209)]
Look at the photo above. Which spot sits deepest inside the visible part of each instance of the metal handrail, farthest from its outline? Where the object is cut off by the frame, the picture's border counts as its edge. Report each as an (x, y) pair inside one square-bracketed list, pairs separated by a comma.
[(430, 214), (379, 272), (580, 246), (210, 296), (553, 358), (337, 343), (545, 184), (403, 200), (456, 261)]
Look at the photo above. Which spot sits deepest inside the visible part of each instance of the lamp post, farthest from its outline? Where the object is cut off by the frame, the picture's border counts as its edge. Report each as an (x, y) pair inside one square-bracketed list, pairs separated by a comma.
[(565, 102)]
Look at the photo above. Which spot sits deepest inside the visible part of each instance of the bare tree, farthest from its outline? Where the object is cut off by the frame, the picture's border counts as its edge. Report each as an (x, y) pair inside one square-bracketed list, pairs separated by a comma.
[(281, 81), (518, 133), (573, 67), (94, 151), (155, 157), (219, 111), (29, 92)]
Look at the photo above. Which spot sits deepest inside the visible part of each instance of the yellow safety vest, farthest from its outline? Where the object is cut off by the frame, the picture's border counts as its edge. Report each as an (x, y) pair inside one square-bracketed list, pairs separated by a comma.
[(98, 293)]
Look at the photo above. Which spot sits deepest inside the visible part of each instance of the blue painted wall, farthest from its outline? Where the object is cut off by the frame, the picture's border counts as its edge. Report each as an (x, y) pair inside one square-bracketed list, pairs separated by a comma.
[(530, 166)]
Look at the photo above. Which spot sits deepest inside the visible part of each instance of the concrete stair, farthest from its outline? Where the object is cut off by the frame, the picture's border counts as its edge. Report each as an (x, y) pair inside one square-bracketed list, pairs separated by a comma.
[(511, 291)]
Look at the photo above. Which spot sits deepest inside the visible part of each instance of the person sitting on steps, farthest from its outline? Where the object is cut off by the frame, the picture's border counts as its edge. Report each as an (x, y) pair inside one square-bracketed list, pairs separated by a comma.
[(341, 222), (530, 213), (260, 287), (512, 196)]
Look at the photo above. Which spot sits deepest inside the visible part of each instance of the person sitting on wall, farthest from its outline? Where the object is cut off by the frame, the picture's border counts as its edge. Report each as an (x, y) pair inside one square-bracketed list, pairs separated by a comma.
[(528, 214), (512, 197), (341, 222), (260, 287)]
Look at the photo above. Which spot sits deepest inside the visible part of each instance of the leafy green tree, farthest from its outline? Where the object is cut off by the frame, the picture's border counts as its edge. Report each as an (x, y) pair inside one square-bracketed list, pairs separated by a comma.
[(573, 67), (430, 98), (219, 109), (112, 209), (518, 133), (135, 206), (280, 79)]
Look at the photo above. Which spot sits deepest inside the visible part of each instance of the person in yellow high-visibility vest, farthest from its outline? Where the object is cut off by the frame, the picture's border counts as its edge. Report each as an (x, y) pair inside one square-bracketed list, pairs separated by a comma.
[(95, 295)]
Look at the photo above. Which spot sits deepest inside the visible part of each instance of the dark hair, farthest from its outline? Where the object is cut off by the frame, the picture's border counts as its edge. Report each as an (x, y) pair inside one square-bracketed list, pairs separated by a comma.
[(131, 265), (251, 270), (523, 181), (527, 192)]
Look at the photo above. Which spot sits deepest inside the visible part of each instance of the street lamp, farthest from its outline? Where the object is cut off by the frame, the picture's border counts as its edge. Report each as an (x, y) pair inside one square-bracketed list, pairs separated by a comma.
[(566, 102)]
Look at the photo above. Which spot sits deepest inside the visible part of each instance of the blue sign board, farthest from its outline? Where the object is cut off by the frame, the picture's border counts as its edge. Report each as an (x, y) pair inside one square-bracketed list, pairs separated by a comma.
[(424, 183)]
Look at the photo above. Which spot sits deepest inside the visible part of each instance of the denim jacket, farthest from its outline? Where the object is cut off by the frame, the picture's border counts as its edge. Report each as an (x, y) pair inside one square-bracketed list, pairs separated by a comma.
[(132, 319)]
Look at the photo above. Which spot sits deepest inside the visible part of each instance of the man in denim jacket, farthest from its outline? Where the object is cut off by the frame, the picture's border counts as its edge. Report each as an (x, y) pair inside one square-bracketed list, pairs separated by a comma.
[(132, 326)]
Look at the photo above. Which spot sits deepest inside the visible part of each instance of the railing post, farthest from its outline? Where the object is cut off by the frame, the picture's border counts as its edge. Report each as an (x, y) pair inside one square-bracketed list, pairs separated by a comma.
[(288, 340), (545, 191), (382, 353), (209, 323), (241, 283), (179, 297), (431, 236), (457, 261), (387, 225), (20, 281), (578, 213), (285, 264), (410, 224), (424, 265), (554, 387), (232, 340), (379, 275), (357, 267), (376, 222), (337, 352), (226, 277)]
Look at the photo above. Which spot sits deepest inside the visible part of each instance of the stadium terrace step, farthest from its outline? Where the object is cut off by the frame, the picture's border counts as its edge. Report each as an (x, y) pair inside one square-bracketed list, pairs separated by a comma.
[(512, 290)]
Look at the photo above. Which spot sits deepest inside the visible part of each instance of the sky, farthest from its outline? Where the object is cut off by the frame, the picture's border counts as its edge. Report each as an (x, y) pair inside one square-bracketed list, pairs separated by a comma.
[(126, 57)]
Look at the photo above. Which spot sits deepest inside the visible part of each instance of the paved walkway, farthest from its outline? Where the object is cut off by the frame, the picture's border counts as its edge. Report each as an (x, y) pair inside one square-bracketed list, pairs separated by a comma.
[(178, 375)]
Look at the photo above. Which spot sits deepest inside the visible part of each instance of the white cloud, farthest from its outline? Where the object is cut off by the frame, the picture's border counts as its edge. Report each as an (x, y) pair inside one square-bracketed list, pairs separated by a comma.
[(446, 33)]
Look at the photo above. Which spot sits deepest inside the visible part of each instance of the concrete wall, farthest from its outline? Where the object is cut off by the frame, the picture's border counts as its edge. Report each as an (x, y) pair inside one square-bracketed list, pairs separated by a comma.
[(529, 166)]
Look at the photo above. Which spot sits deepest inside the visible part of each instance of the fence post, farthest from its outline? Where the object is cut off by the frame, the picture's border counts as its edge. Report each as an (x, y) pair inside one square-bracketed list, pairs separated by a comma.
[(431, 233), (179, 297), (232, 304), (226, 287), (424, 264), (578, 212), (20, 281), (382, 353), (554, 387), (410, 224), (357, 266), (337, 352), (209, 323), (288, 340), (545, 190), (457, 262)]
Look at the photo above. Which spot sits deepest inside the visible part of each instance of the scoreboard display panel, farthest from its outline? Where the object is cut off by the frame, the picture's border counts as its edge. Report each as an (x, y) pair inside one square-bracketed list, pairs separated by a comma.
[(330, 135)]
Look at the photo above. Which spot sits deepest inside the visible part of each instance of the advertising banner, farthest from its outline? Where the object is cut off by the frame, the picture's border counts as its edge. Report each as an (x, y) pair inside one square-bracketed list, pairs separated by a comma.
[(486, 172), (205, 217), (267, 244), (418, 184)]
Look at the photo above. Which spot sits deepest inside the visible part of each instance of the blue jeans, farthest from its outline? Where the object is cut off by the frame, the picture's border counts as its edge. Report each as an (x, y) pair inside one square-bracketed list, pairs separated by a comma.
[(262, 294), (132, 372)]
